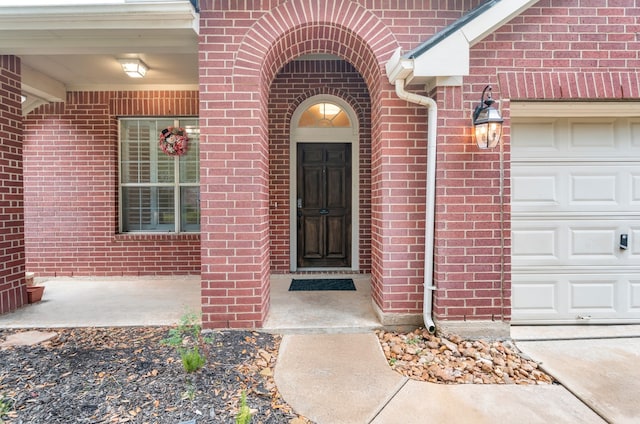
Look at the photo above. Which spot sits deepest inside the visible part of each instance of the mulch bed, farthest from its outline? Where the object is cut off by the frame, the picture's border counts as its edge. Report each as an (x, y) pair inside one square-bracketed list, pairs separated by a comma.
[(125, 375)]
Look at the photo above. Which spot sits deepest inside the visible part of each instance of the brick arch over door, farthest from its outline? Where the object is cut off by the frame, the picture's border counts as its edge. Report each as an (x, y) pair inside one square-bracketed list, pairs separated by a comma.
[(298, 27)]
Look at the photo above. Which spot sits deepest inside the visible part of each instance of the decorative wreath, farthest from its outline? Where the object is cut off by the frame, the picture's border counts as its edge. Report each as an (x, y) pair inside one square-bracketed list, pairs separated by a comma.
[(173, 141)]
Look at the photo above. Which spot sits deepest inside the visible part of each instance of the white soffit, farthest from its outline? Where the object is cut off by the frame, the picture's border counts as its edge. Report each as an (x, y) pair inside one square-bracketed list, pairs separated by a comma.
[(37, 84), (448, 60)]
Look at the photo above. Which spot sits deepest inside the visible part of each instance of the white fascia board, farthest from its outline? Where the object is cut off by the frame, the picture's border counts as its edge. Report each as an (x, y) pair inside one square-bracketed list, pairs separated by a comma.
[(450, 57), (98, 42), (492, 19), (170, 15), (42, 86)]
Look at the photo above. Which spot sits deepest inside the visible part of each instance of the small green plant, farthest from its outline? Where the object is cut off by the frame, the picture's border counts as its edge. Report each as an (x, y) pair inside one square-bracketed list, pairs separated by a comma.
[(187, 338), (414, 340), (392, 361), (192, 360), (244, 414), (190, 393), (5, 407)]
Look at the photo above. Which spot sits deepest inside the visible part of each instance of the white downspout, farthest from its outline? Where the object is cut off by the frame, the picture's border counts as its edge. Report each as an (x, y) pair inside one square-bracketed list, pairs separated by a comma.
[(429, 226)]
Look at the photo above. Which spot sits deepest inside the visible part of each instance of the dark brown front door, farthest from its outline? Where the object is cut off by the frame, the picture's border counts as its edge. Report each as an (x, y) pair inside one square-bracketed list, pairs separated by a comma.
[(324, 204)]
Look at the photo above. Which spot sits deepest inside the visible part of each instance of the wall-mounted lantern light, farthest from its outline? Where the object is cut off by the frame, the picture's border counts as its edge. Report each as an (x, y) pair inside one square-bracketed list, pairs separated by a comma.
[(487, 121), (135, 68)]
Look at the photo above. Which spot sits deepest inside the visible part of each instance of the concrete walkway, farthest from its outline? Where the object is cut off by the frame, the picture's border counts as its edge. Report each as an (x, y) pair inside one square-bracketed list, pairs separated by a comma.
[(598, 364), (344, 379)]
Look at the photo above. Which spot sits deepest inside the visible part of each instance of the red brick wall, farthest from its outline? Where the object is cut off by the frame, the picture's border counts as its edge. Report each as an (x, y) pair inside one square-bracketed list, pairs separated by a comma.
[(568, 50), (12, 291), (71, 189), (296, 82)]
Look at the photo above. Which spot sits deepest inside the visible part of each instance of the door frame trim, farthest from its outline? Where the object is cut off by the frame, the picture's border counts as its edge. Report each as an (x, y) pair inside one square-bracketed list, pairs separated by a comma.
[(324, 135)]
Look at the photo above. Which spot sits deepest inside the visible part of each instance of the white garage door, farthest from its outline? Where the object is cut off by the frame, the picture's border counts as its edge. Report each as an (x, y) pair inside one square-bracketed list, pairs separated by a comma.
[(576, 194)]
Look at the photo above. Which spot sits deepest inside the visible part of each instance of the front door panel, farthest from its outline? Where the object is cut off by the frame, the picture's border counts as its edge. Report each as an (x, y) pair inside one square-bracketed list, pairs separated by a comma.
[(324, 204)]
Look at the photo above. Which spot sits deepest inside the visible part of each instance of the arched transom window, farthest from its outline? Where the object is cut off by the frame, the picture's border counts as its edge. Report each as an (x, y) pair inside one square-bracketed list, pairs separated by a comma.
[(324, 115)]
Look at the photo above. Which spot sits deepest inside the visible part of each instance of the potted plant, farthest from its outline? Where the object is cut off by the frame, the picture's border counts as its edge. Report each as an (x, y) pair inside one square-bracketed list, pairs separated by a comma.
[(34, 293)]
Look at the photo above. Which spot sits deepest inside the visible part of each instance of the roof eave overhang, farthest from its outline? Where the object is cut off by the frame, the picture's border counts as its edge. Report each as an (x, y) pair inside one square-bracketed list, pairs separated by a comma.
[(446, 62), (91, 29), (145, 15)]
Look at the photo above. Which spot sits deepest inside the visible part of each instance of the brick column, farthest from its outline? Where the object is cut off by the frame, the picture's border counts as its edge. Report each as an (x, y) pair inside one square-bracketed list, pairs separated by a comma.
[(12, 284), (234, 183)]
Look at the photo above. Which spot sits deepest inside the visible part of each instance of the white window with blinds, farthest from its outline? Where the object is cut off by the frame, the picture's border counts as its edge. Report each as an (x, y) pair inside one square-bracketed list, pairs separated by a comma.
[(158, 192)]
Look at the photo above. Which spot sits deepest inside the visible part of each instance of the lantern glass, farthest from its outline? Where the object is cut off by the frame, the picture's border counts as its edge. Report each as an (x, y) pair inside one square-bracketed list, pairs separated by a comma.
[(488, 128)]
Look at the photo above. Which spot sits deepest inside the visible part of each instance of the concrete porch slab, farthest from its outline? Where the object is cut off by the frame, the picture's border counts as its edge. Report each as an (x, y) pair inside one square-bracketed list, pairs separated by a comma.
[(320, 311), (108, 302)]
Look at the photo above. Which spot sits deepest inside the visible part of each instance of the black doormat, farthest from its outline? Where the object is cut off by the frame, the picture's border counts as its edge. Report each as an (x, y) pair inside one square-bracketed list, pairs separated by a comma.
[(322, 284)]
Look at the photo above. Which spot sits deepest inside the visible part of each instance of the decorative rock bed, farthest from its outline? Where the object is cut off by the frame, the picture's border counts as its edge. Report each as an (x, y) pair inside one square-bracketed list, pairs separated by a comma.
[(452, 360)]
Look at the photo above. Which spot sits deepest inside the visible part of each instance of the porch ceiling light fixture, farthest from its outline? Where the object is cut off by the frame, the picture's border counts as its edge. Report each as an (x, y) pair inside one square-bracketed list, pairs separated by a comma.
[(487, 122), (135, 68)]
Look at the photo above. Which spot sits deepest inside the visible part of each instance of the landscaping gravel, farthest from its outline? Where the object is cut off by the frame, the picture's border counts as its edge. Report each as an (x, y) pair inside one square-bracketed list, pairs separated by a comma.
[(453, 360)]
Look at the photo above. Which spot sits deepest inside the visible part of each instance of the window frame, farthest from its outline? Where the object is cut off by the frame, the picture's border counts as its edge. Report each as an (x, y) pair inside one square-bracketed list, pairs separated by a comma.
[(176, 185)]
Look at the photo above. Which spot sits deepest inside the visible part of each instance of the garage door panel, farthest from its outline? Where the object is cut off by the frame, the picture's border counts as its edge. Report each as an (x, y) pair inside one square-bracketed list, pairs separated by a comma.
[(539, 137), (592, 137), (594, 188), (634, 130), (593, 244), (575, 190), (634, 243), (536, 295), (635, 189), (634, 295), (587, 297), (535, 243), (540, 189)]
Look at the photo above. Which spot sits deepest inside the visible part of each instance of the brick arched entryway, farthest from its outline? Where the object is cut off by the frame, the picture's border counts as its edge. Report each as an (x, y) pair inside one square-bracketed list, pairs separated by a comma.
[(236, 76)]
